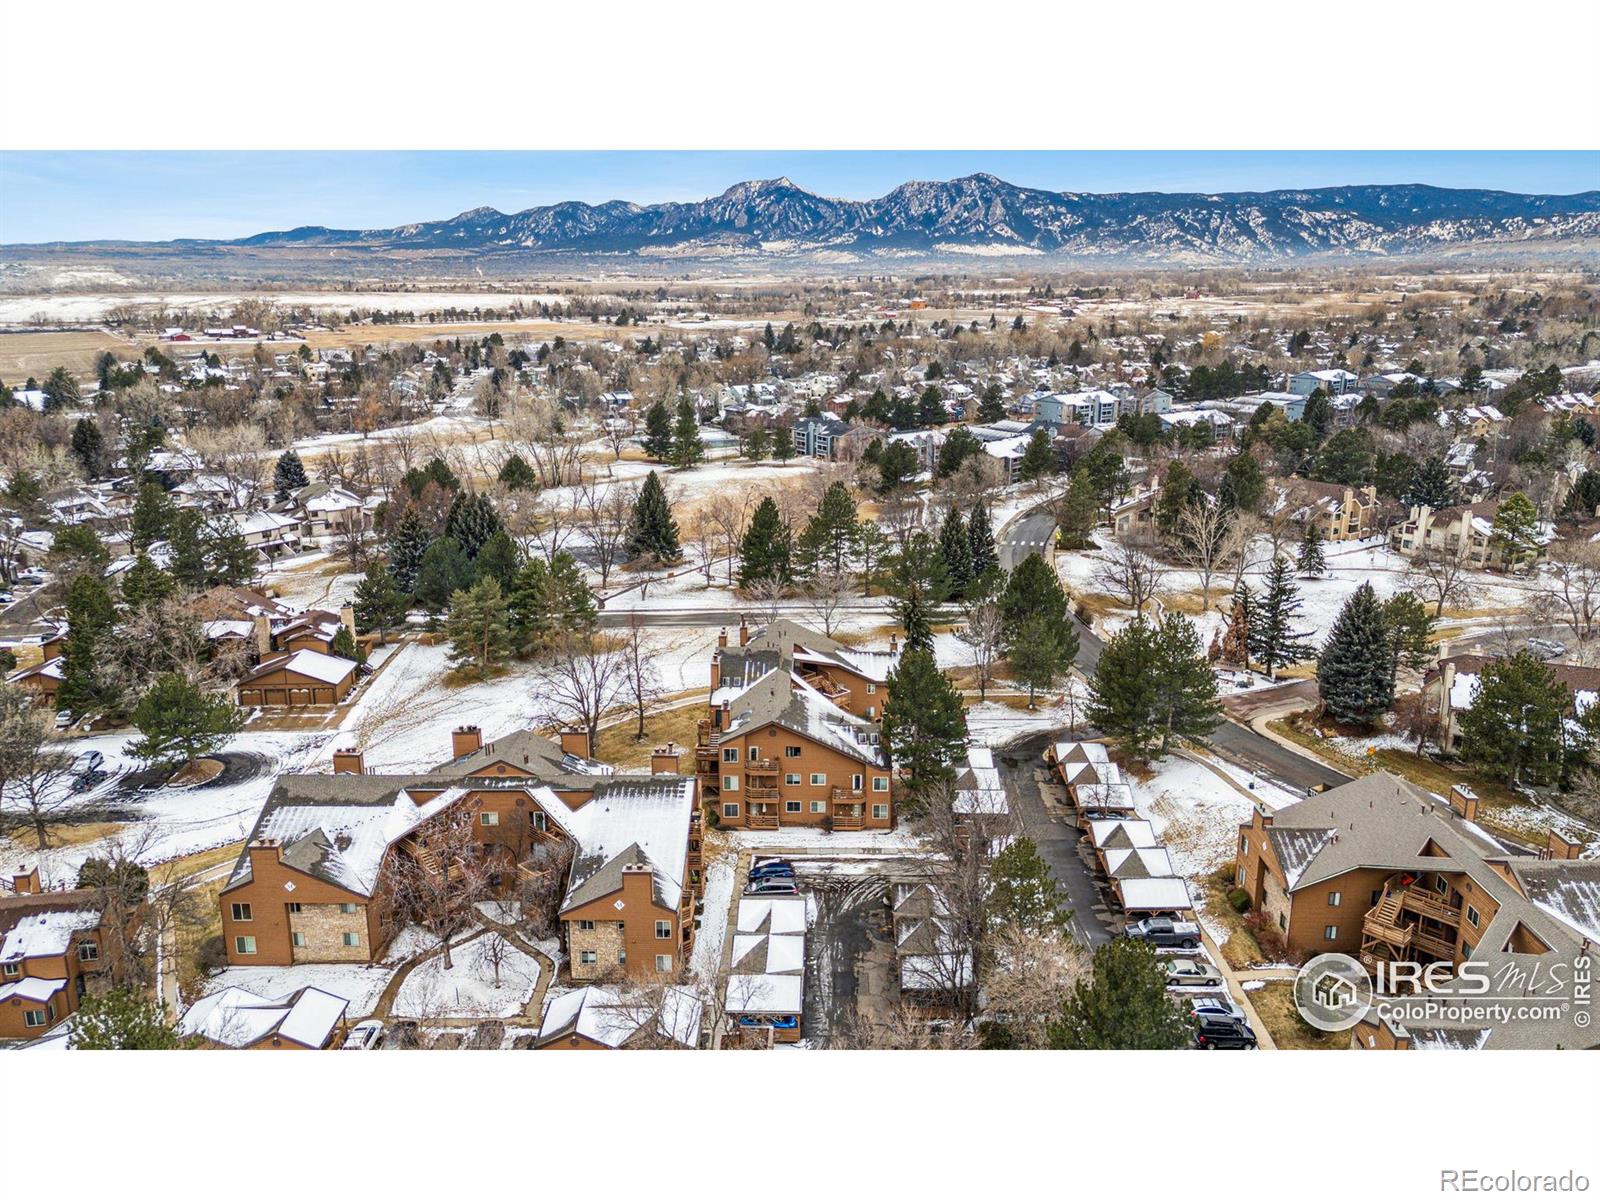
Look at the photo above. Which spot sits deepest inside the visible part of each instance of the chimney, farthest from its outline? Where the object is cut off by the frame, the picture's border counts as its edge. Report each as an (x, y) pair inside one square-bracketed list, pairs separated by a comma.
[(263, 635), (1562, 848), (575, 741), (1465, 801), (664, 760), (266, 852), (466, 740), (744, 633), (349, 761), (347, 617), (720, 716), (716, 668), (26, 882), (1263, 815), (894, 644), (722, 636)]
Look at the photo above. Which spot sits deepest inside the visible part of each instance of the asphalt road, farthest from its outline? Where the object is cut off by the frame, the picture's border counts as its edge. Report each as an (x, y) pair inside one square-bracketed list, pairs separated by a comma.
[(1028, 534), (617, 618)]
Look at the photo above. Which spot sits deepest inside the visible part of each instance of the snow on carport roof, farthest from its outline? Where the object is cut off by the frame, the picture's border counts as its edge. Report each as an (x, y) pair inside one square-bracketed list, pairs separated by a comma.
[(772, 914), (1155, 895), (779, 994)]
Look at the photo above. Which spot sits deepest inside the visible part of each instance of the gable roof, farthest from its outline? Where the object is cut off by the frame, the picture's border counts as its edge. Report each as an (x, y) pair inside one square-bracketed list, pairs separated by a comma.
[(238, 1018), (602, 1015), (783, 699)]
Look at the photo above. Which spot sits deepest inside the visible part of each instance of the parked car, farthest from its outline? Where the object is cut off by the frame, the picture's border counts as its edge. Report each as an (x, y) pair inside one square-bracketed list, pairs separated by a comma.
[(772, 887), (1222, 1025), (1189, 972), (89, 762), (1546, 647), (1163, 931), (64, 719), (775, 869), (31, 579), (364, 1035)]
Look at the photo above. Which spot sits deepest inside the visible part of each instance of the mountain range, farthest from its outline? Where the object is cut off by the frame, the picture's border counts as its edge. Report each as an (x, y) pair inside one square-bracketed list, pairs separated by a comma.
[(983, 216)]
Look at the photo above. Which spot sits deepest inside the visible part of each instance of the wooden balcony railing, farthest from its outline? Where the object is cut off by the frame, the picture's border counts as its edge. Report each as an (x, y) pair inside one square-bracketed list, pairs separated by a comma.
[(1425, 904), (761, 820), (762, 793), (844, 821)]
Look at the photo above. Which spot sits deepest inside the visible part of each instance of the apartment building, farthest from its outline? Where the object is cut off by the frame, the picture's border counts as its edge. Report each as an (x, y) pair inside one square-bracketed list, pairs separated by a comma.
[(1450, 686), (1384, 871), (52, 948), (1341, 514), (1463, 530)]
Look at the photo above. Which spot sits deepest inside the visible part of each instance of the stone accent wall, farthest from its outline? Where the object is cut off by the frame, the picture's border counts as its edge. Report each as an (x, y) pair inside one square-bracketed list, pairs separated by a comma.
[(324, 927), (605, 939)]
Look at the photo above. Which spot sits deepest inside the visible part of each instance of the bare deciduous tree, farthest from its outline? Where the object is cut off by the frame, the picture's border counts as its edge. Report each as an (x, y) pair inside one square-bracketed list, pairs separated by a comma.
[(1129, 573), (1568, 589), (641, 681), (1442, 576), (438, 873), (585, 675), (604, 514), (1030, 974), (1202, 541), (983, 632), (825, 593), (34, 769)]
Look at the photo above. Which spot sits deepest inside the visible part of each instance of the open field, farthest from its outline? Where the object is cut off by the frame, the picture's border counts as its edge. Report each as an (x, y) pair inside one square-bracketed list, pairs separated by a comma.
[(37, 354)]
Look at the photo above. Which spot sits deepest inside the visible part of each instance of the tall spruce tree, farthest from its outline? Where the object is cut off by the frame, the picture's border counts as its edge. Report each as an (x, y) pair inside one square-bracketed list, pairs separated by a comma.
[(444, 570), (144, 583), (658, 432), (1274, 640), (288, 476), (924, 724), (1431, 484), (653, 534), (980, 539), (1124, 692), (1186, 702), (517, 475), (918, 582), (1515, 729), (1040, 653), (764, 554), (1023, 892), (479, 628), (1310, 561), (548, 600), (1355, 672), (1038, 459), (1123, 1005), (472, 521), (410, 542), (91, 620), (957, 551), (993, 406), (1410, 626), (153, 514), (379, 602), (832, 535), (687, 448), (89, 448)]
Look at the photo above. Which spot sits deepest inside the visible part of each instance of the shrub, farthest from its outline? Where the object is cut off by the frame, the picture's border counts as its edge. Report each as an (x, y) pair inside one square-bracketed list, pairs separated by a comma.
[(1240, 899), (211, 955)]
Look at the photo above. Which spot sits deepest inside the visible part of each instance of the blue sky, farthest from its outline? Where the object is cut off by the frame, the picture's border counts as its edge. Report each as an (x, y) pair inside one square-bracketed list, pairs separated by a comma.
[(50, 196)]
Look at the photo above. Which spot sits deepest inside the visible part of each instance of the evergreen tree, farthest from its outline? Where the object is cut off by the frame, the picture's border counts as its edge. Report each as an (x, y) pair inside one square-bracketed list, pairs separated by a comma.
[(957, 551), (654, 532), (123, 1019), (1516, 530), (91, 618), (1177, 489), (89, 448), (918, 582), (1186, 696), (1041, 653), (289, 476), (1515, 729), (993, 406), (897, 463), (1079, 511), (957, 448), (75, 548), (180, 723), (153, 513), (479, 628), (410, 542), (472, 521), (1123, 1005), (831, 536), (1124, 689), (782, 443), (1355, 672), (756, 443), (930, 408), (1410, 627), (924, 723), (1431, 484), (1033, 588), (1274, 640), (1243, 485), (61, 391), (1310, 561), (658, 432), (547, 600), (764, 554), (1038, 460), (343, 644), (980, 540), (517, 475), (144, 583), (444, 570), (687, 448), (499, 559), (1023, 893), (379, 604), (229, 559)]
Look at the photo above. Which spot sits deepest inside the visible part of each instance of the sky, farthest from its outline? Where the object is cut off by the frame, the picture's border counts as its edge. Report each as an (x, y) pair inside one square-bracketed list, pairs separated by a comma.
[(155, 195)]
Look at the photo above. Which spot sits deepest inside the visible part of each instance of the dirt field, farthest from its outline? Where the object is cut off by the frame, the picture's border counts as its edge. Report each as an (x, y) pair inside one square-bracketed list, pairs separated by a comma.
[(37, 354)]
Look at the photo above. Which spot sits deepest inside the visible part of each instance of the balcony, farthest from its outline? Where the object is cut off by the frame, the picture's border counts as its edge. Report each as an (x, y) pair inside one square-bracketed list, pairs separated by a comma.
[(761, 820), (1426, 904), (762, 793), (843, 822)]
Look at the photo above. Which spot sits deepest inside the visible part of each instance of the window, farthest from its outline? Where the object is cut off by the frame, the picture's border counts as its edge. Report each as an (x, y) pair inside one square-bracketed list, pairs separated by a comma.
[(663, 929), (33, 1019), (730, 783), (298, 940), (1283, 922), (1330, 933), (12, 970), (730, 754), (88, 951), (1439, 884), (872, 712), (880, 783), (347, 909), (1334, 898), (663, 962), (819, 779), (1377, 895), (294, 906), (585, 926), (241, 912), (855, 783), (1472, 916), (488, 818), (540, 821), (792, 779), (730, 810), (880, 812), (588, 958), (791, 806), (791, 751), (819, 806), (1238, 876), (872, 689), (622, 957), (1244, 846), (244, 945)]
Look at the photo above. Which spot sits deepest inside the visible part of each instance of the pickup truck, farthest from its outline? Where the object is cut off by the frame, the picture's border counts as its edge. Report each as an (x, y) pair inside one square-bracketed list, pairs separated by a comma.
[(1163, 931)]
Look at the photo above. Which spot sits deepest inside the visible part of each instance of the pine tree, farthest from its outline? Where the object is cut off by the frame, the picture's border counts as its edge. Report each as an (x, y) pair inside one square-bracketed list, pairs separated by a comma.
[(1041, 652), (1023, 894), (658, 432), (896, 464), (782, 444), (61, 391), (406, 548), (924, 723), (993, 406), (1124, 691), (144, 583), (1274, 640), (1310, 562), (1516, 530), (124, 1019), (1431, 484), (1038, 460), (764, 554), (379, 603), (499, 559), (289, 476), (687, 448), (479, 628), (1033, 588), (1243, 485), (1355, 672), (229, 559), (654, 532), (980, 541), (547, 600), (1123, 1005), (517, 475), (89, 448), (1079, 511), (1410, 628), (153, 514), (756, 443), (472, 521), (1515, 728), (1186, 695), (91, 618), (832, 534), (180, 723), (1177, 489), (444, 570), (918, 582), (956, 548)]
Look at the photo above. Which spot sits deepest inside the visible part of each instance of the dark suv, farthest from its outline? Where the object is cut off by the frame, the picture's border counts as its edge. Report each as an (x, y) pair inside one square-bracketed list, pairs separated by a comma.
[(1222, 1026)]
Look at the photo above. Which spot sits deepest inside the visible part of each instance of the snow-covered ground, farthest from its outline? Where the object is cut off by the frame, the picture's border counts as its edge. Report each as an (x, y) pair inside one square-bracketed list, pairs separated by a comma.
[(358, 983), (1196, 814), (995, 724), (468, 988)]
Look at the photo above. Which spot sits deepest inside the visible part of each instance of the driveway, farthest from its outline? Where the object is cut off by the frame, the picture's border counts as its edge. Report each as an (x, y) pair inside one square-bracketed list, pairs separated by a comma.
[(849, 910)]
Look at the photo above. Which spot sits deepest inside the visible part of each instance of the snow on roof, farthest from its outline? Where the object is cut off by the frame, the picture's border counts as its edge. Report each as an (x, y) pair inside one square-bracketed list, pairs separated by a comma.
[(770, 954), (1570, 893), (1151, 862), (650, 816), (771, 914), (32, 989), (1154, 894), (45, 934), (237, 1017), (978, 787), (602, 1015), (777, 994), (313, 1016), (1139, 834), (313, 664)]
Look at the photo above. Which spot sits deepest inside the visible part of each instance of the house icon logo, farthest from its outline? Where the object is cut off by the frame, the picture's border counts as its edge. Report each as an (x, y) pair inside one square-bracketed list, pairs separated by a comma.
[(1332, 992)]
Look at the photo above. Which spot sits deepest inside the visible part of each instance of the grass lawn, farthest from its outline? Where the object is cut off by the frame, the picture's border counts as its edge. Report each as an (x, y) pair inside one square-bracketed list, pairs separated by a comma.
[(1241, 948), (1274, 1004), (615, 743)]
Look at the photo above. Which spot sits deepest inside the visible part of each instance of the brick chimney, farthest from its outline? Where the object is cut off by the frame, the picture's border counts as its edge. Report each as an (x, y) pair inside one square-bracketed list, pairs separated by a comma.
[(894, 644), (664, 760), (1559, 847), (575, 741), (722, 636), (266, 852), (744, 633), (466, 740), (1465, 801), (349, 761), (347, 617), (26, 882), (263, 635), (716, 670)]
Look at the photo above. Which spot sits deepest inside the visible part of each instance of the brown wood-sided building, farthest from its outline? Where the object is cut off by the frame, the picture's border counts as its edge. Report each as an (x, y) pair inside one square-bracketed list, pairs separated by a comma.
[(51, 950)]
